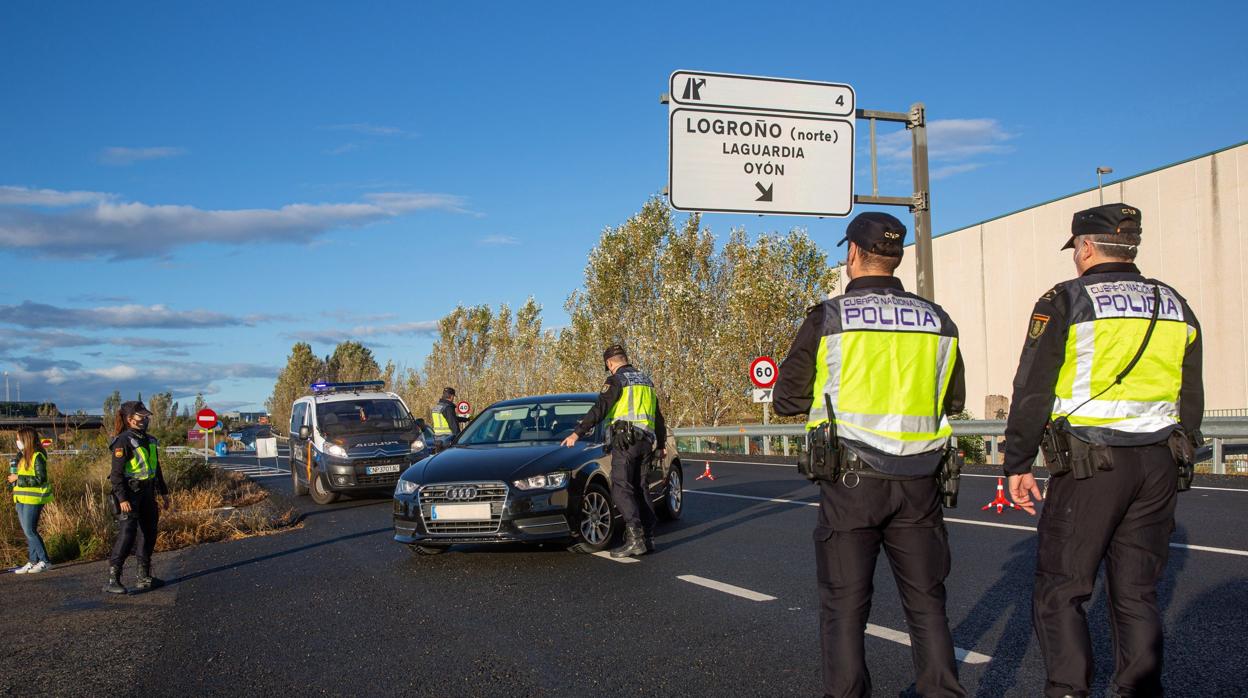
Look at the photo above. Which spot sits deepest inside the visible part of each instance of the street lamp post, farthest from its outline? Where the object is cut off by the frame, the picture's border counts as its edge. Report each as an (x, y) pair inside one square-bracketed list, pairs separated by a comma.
[(1101, 171)]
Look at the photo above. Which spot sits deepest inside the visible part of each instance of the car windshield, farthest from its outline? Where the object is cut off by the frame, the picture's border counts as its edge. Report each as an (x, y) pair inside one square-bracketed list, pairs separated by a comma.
[(362, 416), (539, 421)]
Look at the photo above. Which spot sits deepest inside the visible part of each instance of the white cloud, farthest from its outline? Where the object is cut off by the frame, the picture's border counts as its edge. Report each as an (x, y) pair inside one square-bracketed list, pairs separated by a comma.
[(126, 156), (73, 387), (497, 241), (368, 129), (334, 336), (343, 149), (22, 196), (950, 139), (951, 170), (118, 230), (41, 315)]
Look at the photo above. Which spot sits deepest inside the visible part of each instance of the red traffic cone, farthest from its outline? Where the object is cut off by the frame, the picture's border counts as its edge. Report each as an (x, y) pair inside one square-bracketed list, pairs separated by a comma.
[(1000, 502), (706, 474)]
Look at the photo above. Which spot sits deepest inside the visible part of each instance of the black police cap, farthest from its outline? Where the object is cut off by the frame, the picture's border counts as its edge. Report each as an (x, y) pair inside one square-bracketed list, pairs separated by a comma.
[(1110, 219), (614, 350), (134, 407), (869, 229), (448, 391)]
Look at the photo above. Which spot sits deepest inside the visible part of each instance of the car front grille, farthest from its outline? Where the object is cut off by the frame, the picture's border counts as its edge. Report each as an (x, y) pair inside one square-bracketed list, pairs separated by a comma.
[(377, 480), (495, 493)]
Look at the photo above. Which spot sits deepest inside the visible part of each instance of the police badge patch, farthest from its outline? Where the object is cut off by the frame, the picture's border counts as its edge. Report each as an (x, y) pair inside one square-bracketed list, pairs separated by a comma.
[(119, 453), (1038, 323)]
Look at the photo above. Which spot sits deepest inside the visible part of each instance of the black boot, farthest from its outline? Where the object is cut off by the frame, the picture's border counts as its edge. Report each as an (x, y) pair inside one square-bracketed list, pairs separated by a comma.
[(145, 579), (649, 540), (114, 581), (634, 542)]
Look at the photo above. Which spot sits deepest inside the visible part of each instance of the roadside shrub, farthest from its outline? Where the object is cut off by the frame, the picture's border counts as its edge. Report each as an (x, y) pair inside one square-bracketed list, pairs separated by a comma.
[(79, 522)]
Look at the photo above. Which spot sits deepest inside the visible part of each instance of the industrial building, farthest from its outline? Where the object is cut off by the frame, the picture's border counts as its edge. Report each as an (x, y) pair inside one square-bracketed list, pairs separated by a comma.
[(1195, 223)]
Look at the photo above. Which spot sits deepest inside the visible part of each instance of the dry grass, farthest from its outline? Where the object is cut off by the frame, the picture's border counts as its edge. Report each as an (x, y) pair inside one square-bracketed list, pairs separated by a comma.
[(207, 505)]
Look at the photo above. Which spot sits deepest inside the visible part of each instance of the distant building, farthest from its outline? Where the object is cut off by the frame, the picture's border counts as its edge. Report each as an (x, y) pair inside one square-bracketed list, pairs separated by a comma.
[(248, 417)]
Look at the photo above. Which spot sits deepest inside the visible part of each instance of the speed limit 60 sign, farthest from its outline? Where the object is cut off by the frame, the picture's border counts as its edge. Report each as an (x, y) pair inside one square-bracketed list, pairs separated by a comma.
[(763, 371)]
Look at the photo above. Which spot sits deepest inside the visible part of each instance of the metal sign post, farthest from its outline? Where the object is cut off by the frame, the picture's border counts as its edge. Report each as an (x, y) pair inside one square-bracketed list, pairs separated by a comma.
[(920, 202)]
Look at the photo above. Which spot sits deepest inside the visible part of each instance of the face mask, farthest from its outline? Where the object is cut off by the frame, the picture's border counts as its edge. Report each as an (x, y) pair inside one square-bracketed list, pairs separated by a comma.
[(21, 446)]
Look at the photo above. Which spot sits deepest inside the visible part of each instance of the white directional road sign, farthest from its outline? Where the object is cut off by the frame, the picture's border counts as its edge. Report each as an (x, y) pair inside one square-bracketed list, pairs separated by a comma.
[(763, 145), (689, 88), (762, 394), (266, 448)]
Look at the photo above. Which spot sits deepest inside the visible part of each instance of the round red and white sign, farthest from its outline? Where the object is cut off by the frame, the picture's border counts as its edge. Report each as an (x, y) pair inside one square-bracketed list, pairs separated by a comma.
[(763, 372), (206, 419), (463, 409)]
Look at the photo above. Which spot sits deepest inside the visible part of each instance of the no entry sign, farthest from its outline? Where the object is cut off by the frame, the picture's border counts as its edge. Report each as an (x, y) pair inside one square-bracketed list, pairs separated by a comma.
[(206, 419), (463, 409), (763, 372)]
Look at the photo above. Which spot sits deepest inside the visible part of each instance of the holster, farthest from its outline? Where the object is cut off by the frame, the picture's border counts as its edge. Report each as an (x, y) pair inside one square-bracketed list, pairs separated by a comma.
[(1183, 449), (950, 474), (624, 435), (1055, 446), (821, 461)]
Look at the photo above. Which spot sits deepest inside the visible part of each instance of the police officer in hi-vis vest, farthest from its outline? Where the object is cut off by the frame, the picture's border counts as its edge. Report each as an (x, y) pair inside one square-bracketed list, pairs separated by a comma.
[(630, 405), (445, 421), (1109, 388), (137, 480), (886, 363)]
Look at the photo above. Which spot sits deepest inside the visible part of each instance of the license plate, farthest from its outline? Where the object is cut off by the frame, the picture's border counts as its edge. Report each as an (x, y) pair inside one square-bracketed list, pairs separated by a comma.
[(379, 469), (461, 512)]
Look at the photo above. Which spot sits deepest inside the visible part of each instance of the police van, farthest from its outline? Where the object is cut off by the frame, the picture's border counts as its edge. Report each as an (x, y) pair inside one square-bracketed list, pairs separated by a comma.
[(349, 438)]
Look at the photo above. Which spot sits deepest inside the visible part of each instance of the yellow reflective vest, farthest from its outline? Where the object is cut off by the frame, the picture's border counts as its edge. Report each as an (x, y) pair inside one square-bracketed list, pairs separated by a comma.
[(885, 362), (638, 401), (441, 426), (1107, 323), (41, 494)]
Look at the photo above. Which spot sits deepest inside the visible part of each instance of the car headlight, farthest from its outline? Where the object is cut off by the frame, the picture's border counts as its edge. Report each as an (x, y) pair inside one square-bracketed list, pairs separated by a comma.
[(406, 487), (418, 445), (336, 450), (549, 481)]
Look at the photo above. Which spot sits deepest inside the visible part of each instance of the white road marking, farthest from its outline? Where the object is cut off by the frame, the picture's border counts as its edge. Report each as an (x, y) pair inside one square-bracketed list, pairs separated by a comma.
[(607, 556), (966, 656), (726, 588), (971, 522)]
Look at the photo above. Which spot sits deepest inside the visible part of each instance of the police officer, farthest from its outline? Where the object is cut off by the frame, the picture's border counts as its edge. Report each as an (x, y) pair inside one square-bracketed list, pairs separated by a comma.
[(137, 480), (1112, 362), (445, 421), (630, 404), (888, 363)]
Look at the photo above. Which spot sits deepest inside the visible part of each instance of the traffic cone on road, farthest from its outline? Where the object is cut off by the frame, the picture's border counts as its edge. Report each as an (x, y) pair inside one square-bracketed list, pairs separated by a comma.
[(1000, 502), (706, 474)]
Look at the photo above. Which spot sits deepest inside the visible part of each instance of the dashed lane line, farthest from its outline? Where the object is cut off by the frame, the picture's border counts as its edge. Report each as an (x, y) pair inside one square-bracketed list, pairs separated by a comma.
[(971, 522), (726, 588), (794, 465), (965, 656)]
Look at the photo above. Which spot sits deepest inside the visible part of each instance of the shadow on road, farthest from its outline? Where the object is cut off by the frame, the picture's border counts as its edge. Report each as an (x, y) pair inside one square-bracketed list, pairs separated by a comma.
[(274, 556), (344, 507), (1009, 596), (755, 510)]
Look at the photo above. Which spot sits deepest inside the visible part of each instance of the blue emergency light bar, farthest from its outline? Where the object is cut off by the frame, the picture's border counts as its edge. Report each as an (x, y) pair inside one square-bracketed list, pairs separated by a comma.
[(323, 387)]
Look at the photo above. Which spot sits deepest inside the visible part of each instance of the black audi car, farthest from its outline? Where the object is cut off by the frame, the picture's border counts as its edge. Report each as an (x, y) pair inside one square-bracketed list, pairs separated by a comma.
[(506, 478)]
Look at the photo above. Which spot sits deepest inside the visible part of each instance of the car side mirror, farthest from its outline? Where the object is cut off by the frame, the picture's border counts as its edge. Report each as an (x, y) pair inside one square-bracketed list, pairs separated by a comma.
[(305, 432)]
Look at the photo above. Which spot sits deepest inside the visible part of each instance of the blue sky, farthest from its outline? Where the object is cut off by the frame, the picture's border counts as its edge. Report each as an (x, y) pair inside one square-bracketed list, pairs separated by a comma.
[(188, 188)]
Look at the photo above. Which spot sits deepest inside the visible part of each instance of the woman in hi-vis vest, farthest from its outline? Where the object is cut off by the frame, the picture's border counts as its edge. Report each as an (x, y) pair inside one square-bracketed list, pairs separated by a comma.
[(28, 475)]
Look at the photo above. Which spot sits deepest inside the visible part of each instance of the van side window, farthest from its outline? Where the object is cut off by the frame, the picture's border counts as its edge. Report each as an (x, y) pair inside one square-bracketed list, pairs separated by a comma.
[(297, 417)]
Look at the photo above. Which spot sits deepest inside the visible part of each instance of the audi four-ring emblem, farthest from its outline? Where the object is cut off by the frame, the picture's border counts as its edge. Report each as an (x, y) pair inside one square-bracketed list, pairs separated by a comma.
[(461, 493)]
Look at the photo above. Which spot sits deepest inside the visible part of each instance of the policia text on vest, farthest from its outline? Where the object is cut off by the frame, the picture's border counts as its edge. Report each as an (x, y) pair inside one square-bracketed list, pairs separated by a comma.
[(878, 370), (1110, 384)]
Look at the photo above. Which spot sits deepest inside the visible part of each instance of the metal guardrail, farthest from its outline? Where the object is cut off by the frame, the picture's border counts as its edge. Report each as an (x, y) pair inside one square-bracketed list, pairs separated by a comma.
[(1218, 429)]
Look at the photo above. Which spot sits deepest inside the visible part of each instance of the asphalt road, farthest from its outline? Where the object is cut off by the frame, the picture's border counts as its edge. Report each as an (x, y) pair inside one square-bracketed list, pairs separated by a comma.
[(727, 606)]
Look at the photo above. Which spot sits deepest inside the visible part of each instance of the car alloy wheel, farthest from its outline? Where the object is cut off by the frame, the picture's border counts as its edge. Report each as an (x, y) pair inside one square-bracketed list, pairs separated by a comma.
[(595, 517), (675, 492)]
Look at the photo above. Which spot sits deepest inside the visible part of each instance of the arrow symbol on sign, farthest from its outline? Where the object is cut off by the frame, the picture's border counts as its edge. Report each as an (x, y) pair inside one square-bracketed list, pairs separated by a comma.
[(766, 193)]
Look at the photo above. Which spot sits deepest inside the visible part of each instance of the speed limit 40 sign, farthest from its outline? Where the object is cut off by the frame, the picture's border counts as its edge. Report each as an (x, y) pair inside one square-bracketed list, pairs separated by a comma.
[(763, 372)]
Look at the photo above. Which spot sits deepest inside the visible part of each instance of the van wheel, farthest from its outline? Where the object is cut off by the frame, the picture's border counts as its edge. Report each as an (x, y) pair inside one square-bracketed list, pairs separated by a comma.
[(295, 486), (321, 494)]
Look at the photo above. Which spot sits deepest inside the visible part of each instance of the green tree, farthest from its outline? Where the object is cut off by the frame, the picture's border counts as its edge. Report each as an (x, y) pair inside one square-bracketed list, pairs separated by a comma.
[(301, 370), (111, 404), (352, 361)]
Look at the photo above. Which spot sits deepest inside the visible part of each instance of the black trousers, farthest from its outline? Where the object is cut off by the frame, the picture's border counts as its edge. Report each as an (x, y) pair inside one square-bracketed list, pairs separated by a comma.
[(904, 517), (136, 531), (1125, 517), (628, 484)]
